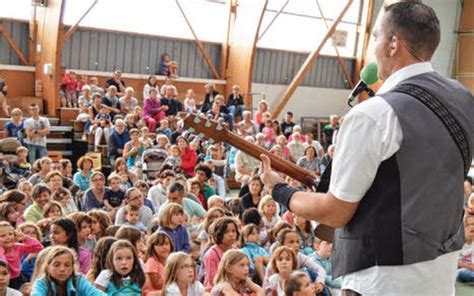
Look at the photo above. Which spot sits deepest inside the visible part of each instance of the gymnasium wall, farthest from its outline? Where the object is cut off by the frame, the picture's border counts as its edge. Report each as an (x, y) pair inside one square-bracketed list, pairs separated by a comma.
[(280, 67), (306, 101), (19, 33), (97, 50)]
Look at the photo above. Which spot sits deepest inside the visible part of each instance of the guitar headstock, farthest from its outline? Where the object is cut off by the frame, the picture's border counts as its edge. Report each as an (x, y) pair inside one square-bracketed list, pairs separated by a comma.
[(204, 128)]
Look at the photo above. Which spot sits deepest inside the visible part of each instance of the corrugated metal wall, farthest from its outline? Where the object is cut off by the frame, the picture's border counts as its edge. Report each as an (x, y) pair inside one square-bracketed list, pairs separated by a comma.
[(19, 32), (107, 51), (279, 67)]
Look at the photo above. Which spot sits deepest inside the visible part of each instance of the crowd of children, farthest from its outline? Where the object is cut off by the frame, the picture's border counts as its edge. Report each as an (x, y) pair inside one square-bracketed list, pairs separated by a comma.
[(174, 232)]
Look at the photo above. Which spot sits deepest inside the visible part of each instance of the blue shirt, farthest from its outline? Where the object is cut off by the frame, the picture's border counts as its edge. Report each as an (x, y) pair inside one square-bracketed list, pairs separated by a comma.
[(82, 181), (179, 236), (252, 250), (13, 130), (82, 287)]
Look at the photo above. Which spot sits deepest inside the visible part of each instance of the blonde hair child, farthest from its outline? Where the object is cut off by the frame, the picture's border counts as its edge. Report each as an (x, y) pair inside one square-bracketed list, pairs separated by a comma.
[(180, 276), (232, 276)]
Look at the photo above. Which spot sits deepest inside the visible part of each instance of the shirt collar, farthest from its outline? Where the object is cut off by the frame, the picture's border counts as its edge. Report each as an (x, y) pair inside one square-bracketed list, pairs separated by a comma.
[(404, 73)]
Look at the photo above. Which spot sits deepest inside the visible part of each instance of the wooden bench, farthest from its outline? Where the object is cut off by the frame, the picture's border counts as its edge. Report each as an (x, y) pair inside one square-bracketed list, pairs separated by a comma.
[(68, 115)]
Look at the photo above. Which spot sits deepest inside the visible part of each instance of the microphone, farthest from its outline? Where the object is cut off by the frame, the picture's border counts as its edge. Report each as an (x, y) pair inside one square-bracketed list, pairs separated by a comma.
[(368, 76)]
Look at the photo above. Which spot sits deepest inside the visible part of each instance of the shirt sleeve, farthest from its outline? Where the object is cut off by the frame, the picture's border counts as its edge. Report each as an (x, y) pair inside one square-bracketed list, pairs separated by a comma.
[(368, 136), (103, 279)]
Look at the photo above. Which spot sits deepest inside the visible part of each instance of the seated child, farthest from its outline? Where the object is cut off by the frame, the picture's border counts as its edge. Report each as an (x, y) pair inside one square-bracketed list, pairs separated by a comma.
[(11, 251), (298, 284), (322, 256), (174, 158), (4, 289), (164, 128), (168, 67), (115, 197), (21, 166), (257, 255), (131, 214), (171, 222), (284, 262)]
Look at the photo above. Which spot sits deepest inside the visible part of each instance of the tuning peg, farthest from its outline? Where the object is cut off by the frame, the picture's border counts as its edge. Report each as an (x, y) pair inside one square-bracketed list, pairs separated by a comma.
[(200, 136), (191, 130), (197, 120), (219, 127), (211, 141), (208, 123)]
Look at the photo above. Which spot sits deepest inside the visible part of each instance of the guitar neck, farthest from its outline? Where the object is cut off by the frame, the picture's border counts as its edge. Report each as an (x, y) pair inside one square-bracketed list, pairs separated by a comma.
[(279, 164)]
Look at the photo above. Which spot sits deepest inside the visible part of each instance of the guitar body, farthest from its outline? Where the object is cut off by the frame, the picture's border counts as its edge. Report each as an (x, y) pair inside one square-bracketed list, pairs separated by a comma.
[(214, 132)]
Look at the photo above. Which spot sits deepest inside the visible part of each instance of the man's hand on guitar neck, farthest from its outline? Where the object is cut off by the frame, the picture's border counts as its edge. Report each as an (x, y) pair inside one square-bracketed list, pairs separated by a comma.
[(269, 177)]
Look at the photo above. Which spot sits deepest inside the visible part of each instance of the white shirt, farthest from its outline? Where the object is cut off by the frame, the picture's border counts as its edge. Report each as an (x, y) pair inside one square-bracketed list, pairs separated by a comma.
[(370, 134)]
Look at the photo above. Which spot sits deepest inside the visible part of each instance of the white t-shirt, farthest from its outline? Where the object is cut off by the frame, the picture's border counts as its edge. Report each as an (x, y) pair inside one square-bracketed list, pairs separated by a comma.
[(194, 289), (12, 292), (370, 134)]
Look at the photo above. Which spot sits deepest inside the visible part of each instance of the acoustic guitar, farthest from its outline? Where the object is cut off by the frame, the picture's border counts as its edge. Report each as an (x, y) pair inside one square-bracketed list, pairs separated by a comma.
[(214, 132)]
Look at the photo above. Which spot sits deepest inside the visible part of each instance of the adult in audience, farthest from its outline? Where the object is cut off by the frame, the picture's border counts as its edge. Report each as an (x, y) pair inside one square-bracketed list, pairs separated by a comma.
[(134, 198), (210, 94), (14, 127), (191, 208), (111, 100), (329, 129), (327, 158), (83, 175), (54, 180), (296, 147), (386, 199), (36, 128), (44, 166), (151, 83), (41, 196), (117, 140), (85, 98), (287, 124), (235, 102), (203, 175), (247, 125), (310, 160), (245, 165), (94, 196), (252, 198), (153, 112), (309, 141), (66, 172), (116, 81), (128, 102)]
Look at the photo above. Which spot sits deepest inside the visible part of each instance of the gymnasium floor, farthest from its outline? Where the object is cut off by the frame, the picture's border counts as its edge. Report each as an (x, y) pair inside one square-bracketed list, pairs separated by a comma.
[(464, 289)]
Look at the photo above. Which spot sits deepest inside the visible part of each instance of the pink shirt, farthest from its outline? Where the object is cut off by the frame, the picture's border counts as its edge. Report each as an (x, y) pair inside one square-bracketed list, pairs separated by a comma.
[(13, 257), (211, 261), (152, 266), (85, 259)]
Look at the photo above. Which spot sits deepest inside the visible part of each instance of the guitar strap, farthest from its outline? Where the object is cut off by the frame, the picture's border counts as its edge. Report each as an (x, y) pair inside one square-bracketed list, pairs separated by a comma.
[(455, 130), (452, 125)]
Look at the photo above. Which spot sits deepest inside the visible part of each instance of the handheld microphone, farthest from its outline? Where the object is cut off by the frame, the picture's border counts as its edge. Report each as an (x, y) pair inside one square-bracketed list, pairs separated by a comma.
[(368, 76)]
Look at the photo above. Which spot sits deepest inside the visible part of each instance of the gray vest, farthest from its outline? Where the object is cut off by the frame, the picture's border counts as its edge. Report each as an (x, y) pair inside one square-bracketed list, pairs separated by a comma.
[(413, 211)]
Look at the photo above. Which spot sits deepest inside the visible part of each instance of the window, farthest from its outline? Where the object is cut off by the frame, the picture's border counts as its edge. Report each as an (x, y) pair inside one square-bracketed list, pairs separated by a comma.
[(152, 17), (300, 27)]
